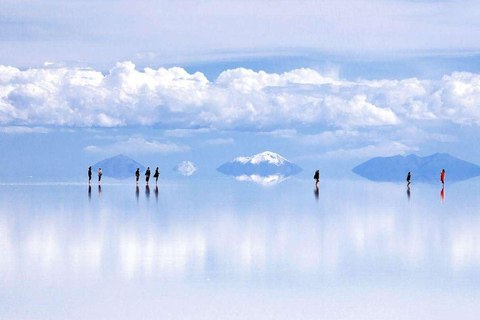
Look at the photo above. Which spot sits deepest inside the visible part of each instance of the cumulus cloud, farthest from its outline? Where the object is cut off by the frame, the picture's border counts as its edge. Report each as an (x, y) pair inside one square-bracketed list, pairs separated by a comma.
[(138, 145), (237, 99)]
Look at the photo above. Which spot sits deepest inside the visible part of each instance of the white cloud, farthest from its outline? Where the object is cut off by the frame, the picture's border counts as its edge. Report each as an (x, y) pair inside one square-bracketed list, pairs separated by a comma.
[(21, 129), (138, 145), (280, 133), (238, 99), (184, 133), (219, 141), (387, 149)]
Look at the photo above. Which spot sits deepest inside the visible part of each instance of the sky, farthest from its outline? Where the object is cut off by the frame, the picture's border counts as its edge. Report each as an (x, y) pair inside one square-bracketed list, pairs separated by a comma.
[(327, 84)]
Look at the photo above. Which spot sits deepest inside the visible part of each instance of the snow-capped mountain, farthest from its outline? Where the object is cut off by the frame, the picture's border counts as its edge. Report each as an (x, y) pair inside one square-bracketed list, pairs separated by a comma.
[(185, 168), (266, 156), (263, 164)]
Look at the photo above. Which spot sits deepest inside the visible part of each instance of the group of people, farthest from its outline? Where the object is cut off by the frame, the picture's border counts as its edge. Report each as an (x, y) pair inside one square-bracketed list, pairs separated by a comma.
[(90, 175), (316, 177), (156, 175), (409, 178)]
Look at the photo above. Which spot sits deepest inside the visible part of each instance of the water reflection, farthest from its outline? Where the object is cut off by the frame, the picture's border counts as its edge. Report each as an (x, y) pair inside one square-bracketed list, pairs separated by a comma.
[(99, 191), (353, 237), (147, 192), (408, 193), (316, 192), (89, 192), (442, 195), (156, 194), (137, 193), (263, 180)]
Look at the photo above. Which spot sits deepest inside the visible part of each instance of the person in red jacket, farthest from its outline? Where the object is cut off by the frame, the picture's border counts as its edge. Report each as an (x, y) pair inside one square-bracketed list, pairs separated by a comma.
[(442, 176)]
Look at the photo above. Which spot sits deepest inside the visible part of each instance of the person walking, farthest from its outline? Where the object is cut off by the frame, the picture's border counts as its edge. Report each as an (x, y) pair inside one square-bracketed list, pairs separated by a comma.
[(409, 176), (137, 175), (99, 175), (147, 175), (442, 176), (156, 175), (89, 174), (316, 177)]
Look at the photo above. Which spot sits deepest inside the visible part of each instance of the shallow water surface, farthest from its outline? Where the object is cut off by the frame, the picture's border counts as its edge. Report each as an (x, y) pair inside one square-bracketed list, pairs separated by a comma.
[(226, 249)]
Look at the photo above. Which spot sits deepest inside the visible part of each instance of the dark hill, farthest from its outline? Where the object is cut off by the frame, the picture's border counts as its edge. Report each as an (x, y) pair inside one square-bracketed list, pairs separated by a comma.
[(425, 169), (118, 167)]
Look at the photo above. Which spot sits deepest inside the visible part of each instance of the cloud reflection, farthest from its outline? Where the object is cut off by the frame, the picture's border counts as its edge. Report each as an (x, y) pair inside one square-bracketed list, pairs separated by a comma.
[(234, 241)]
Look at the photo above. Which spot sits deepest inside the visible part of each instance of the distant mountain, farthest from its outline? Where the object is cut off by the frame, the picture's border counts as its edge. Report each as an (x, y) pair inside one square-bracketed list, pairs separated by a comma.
[(263, 164), (425, 169), (185, 168), (118, 167)]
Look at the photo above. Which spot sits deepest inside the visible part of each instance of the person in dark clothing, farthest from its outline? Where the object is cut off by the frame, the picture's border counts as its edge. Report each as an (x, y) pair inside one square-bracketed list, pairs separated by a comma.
[(156, 175), (316, 177), (409, 176), (99, 175), (147, 175), (89, 174), (137, 174)]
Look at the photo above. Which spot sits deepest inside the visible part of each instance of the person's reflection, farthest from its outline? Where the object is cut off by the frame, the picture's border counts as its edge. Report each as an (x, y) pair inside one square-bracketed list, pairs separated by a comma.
[(316, 192), (408, 193), (156, 194), (137, 192), (442, 195), (147, 192), (99, 191), (89, 193)]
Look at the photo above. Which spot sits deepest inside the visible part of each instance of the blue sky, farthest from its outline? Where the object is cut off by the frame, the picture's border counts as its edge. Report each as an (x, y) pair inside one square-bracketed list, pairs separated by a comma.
[(326, 84)]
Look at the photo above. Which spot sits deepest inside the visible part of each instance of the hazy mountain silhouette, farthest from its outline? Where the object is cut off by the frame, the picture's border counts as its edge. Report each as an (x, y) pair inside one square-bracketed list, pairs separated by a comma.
[(185, 168), (263, 164), (119, 167), (424, 169)]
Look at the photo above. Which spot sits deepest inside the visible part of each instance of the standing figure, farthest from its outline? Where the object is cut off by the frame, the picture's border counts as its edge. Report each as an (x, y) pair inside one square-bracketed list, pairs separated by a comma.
[(137, 174), (442, 177), (409, 176), (147, 175), (156, 175), (316, 177), (99, 175), (89, 174)]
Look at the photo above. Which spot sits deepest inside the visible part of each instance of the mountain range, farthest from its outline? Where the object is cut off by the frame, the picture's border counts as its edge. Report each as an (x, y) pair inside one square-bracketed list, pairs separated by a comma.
[(424, 169)]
